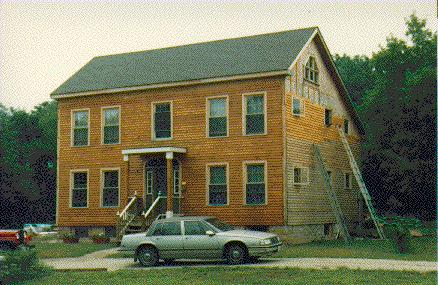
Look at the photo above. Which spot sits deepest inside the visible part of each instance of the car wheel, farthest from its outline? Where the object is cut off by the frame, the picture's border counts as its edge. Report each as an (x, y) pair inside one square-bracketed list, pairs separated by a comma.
[(236, 254), (147, 256)]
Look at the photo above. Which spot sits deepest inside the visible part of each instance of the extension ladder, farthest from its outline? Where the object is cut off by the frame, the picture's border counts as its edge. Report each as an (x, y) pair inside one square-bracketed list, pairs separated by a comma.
[(361, 183), (340, 219)]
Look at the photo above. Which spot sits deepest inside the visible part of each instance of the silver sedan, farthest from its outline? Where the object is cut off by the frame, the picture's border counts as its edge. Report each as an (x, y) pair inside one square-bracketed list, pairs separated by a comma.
[(198, 238)]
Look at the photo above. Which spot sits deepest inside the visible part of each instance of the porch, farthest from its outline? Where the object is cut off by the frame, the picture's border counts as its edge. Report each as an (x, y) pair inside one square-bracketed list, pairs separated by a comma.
[(161, 192)]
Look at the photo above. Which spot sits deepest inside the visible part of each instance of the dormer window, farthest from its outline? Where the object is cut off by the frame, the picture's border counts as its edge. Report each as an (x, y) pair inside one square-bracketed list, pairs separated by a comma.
[(311, 72)]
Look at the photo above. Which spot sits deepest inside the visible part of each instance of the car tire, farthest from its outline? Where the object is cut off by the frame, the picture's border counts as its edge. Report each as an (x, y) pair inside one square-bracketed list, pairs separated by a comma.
[(147, 256), (168, 261), (236, 254)]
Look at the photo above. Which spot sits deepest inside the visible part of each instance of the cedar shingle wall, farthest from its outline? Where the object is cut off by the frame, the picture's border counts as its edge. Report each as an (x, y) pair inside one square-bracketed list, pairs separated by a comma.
[(308, 204), (188, 132)]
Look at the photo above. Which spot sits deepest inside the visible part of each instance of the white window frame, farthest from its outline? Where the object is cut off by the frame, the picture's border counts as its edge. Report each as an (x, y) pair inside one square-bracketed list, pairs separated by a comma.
[(311, 69), (207, 182), (207, 114), (102, 124), (303, 168), (153, 104), (72, 172), (244, 107), (350, 178), (301, 114), (245, 180), (72, 126), (102, 185)]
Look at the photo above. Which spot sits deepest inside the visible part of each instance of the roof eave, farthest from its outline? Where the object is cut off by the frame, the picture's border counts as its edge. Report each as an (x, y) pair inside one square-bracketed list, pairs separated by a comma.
[(170, 84)]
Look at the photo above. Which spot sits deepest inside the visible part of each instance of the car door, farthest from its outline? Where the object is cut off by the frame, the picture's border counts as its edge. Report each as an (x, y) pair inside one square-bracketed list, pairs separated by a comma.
[(197, 244), (167, 237)]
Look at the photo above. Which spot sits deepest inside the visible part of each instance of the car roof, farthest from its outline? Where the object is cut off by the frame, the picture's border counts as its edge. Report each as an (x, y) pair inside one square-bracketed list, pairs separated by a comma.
[(184, 218)]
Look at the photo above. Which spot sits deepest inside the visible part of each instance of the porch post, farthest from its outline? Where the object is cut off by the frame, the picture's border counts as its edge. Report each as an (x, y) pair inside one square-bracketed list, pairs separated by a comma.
[(169, 162)]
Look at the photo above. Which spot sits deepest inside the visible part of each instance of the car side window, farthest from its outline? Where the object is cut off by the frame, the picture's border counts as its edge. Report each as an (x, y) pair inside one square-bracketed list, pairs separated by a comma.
[(194, 228), (167, 229)]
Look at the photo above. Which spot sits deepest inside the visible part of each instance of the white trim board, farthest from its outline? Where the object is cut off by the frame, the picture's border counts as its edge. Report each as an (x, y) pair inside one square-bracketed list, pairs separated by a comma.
[(171, 84), (154, 150)]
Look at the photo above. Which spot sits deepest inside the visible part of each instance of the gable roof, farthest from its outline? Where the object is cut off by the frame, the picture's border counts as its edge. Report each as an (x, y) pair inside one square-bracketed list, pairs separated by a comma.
[(222, 58), (245, 57)]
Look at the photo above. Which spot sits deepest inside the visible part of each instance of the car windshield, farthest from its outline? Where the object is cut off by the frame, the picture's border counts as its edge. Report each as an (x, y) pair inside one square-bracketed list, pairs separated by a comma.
[(220, 225)]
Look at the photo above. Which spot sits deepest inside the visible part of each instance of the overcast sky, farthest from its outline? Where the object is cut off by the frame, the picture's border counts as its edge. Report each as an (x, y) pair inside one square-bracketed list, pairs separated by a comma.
[(42, 45)]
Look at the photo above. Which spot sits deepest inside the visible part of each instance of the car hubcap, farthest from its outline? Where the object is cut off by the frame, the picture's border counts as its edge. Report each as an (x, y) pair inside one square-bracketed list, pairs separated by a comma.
[(146, 257), (236, 254)]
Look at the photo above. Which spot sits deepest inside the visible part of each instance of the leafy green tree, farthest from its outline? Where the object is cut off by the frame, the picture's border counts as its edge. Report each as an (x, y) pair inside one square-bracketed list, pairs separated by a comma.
[(399, 113)]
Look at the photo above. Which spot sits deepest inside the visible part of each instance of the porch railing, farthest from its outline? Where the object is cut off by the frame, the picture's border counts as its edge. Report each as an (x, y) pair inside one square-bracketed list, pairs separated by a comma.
[(151, 213), (127, 215)]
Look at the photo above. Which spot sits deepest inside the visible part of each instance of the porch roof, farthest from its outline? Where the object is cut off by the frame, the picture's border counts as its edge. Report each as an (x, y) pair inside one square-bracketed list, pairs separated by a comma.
[(166, 149)]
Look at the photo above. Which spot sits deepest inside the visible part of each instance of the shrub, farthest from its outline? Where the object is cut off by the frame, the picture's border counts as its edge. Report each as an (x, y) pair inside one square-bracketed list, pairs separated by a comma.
[(22, 265)]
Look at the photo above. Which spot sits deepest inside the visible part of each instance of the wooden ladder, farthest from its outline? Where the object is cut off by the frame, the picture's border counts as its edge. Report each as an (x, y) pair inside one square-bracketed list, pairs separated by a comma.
[(361, 183), (334, 202)]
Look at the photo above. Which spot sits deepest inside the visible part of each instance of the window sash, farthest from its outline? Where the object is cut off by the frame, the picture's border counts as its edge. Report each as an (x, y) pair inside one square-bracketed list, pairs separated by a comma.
[(296, 107), (301, 176), (111, 134), (255, 193), (347, 180), (80, 128), (217, 127), (328, 117), (346, 127), (176, 182), (79, 195), (110, 197), (218, 186), (162, 121)]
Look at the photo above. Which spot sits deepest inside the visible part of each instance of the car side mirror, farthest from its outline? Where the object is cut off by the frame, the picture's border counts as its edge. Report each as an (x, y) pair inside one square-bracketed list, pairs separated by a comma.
[(210, 233)]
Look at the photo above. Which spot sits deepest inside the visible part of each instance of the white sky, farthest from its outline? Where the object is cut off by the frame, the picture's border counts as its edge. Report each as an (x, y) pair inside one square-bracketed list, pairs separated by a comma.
[(42, 45)]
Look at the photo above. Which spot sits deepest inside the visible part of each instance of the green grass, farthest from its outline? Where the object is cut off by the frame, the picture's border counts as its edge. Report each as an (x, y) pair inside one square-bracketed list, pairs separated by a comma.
[(422, 248), (49, 249), (233, 275)]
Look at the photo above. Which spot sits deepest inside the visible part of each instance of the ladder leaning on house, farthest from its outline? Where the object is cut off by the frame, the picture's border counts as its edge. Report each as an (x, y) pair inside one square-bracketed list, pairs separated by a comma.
[(334, 203), (361, 183)]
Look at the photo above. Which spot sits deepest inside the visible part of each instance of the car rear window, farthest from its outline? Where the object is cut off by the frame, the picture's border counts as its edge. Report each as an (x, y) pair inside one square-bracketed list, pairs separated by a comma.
[(167, 229)]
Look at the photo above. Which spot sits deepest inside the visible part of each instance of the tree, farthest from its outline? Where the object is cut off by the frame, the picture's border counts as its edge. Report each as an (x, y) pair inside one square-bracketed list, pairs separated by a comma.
[(399, 114)]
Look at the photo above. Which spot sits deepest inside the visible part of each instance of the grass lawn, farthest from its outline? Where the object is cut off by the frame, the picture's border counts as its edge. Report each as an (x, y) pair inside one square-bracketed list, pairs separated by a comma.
[(422, 248), (48, 249), (233, 275)]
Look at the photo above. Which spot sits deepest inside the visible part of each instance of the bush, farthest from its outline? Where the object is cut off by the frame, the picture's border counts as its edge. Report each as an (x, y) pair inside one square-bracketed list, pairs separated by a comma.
[(22, 265)]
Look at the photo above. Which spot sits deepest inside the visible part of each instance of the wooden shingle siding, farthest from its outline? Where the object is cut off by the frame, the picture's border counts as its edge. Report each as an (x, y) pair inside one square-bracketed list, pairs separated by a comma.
[(189, 129), (309, 204)]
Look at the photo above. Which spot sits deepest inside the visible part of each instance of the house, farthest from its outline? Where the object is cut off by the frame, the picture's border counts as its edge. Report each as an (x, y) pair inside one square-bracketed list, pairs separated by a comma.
[(223, 128)]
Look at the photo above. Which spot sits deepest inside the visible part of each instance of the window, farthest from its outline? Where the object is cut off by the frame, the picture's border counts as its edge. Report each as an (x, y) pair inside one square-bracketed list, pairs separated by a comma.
[(79, 191), (311, 72), (348, 180), (80, 128), (111, 125), (328, 117), (192, 228), (162, 121), (217, 125), (176, 179), (301, 175), (167, 229), (110, 191), (330, 177), (254, 114), (346, 127), (217, 185), (297, 107), (255, 184), (149, 182)]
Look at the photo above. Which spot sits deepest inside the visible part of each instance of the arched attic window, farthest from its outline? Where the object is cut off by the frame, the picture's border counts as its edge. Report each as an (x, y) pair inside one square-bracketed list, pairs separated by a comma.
[(311, 72)]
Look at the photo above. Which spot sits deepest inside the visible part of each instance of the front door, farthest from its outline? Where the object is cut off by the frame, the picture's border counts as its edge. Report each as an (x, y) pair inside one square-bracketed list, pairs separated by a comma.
[(156, 183)]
